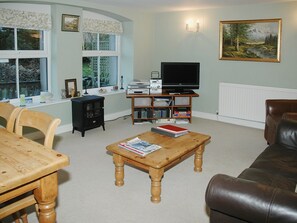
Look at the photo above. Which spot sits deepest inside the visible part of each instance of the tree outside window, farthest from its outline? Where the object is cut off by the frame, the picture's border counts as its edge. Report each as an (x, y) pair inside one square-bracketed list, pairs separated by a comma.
[(100, 60), (23, 63)]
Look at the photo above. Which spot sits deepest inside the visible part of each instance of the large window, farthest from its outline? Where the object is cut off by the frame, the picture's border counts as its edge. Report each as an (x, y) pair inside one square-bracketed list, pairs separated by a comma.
[(100, 60), (23, 62)]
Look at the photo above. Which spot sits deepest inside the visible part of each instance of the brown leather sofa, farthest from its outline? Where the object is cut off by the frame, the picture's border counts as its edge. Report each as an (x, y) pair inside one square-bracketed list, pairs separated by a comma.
[(264, 192), (277, 109)]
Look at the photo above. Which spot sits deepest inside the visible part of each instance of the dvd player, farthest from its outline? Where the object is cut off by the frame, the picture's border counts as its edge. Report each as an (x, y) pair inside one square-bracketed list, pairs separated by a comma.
[(138, 91)]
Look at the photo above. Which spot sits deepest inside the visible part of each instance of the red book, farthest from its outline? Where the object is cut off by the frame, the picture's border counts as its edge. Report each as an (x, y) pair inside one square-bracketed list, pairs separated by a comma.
[(173, 129)]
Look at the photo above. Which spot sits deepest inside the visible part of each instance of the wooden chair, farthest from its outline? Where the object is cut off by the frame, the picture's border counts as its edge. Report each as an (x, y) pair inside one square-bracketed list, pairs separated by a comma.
[(19, 199), (40, 121), (9, 113)]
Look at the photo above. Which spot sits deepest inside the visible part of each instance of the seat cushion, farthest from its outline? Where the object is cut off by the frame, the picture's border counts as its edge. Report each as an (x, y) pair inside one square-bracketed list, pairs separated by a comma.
[(269, 178), (277, 160)]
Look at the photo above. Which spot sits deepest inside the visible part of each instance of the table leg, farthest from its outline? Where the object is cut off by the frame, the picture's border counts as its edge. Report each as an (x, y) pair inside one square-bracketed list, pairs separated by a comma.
[(119, 169), (156, 177), (198, 158), (46, 195)]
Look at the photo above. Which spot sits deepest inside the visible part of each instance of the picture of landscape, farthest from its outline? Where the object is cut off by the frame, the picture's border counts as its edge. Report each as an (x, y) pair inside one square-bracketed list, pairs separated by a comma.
[(250, 40), (70, 23)]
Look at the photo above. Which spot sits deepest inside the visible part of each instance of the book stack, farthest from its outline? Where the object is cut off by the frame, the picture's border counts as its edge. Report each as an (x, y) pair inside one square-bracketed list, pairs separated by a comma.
[(139, 146), (170, 130), (181, 113)]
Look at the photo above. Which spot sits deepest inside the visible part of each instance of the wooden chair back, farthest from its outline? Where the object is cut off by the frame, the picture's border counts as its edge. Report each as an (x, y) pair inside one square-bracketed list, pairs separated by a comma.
[(47, 125), (9, 113), (41, 121)]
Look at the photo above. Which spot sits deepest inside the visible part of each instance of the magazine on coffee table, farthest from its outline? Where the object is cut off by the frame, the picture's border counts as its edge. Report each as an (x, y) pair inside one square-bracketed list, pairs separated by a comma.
[(139, 146)]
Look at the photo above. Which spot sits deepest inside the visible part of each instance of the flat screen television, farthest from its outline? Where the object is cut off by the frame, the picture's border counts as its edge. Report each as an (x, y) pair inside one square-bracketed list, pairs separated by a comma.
[(180, 77)]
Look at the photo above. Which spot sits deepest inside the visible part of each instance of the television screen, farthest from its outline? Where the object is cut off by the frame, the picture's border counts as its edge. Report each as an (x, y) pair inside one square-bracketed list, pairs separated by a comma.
[(180, 75)]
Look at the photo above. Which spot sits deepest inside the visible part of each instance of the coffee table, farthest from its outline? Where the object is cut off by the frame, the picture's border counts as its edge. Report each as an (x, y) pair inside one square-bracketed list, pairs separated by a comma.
[(173, 151)]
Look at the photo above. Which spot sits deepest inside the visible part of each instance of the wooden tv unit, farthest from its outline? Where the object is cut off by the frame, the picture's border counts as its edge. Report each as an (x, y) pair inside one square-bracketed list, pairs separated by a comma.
[(158, 107)]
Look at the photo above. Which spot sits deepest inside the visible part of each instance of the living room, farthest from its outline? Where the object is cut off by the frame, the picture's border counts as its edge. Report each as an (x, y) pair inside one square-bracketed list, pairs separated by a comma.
[(154, 37), (149, 38)]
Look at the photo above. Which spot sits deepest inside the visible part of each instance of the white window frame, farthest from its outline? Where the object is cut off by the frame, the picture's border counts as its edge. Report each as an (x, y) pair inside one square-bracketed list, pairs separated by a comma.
[(21, 54), (101, 53)]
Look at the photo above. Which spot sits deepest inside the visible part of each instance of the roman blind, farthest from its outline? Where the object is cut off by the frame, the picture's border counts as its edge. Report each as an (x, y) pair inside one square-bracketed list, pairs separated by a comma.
[(102, 26), (23, 19)]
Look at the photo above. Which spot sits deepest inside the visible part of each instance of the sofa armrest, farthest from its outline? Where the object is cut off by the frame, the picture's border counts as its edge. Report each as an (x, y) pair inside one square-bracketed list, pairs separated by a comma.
[(290, 116), (286, 134), (251, 201), (276, 107)]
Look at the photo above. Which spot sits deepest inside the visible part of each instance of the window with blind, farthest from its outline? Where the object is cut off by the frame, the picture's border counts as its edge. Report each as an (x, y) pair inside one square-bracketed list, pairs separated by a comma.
[(23, 53), (101, 52)]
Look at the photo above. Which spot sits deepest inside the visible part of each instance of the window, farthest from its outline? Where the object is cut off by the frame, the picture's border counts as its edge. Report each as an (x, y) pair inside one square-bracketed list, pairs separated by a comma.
[(23, 62), (100, 60)]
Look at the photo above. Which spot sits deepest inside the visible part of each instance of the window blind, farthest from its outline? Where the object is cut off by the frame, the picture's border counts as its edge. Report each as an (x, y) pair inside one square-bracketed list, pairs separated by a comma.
[(23, 19), (102, 26)]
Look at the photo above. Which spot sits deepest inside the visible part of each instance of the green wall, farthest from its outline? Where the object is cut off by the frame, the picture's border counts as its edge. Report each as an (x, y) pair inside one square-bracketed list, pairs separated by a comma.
[(174, 43)]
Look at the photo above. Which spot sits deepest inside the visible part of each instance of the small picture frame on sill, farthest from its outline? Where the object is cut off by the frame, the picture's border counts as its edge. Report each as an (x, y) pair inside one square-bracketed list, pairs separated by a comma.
[(71, 88), (70, 23)]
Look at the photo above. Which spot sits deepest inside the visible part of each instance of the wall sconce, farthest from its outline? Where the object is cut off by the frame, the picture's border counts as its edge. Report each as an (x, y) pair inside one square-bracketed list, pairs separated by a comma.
[(192, 26)]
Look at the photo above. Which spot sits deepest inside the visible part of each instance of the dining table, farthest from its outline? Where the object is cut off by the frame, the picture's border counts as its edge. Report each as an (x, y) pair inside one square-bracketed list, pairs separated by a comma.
[(25, 164)]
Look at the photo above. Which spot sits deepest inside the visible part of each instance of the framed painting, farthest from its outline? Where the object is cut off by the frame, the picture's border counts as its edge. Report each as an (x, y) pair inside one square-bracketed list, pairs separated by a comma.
[(251, 40), (70, 23), (71, 88)]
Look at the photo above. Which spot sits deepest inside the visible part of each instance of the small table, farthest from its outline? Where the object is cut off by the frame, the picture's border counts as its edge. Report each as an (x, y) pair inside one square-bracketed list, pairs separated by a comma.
[(173, 151), (25, 163)]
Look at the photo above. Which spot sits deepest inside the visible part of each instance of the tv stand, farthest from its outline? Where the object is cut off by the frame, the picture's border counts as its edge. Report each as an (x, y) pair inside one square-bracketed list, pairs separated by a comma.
[(162, 108)]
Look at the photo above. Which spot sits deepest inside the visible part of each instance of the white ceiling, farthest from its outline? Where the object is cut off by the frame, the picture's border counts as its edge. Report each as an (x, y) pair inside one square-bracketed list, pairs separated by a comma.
[(178, 5)]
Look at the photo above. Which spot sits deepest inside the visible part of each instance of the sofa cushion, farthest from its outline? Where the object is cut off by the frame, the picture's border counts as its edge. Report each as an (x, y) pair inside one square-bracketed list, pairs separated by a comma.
[(287, 134), (269, 178), (277, 160)]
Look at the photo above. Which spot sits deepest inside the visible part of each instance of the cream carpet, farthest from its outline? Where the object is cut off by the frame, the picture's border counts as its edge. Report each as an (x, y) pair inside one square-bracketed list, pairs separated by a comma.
[(87, 192)]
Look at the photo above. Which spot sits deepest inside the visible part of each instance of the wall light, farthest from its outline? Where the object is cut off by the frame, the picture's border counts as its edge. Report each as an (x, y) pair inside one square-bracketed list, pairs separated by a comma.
[(192, 26)]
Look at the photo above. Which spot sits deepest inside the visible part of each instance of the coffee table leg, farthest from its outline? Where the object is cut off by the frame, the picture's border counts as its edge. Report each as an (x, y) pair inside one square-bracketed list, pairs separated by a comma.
[(156, 177), (119, 169), (198, 158)]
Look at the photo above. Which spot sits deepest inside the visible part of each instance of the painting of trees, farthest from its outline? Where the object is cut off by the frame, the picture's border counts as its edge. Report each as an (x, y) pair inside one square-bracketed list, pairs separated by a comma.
[(253, 40)]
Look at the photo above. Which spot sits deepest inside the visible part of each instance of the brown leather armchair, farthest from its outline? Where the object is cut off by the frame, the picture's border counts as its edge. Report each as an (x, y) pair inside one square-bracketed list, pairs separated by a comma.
[(277, 109)]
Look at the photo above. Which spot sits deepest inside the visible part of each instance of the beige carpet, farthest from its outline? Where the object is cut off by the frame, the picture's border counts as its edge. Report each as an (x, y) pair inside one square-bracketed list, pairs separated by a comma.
[(87, 192)]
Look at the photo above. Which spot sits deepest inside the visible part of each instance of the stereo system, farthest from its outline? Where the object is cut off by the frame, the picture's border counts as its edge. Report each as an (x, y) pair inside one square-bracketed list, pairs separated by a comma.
[(140, 87), (156, 86)]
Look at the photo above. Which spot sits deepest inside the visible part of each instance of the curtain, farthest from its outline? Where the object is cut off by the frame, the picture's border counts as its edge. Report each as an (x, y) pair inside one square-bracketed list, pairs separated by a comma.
[(22, 19), (102, 26)]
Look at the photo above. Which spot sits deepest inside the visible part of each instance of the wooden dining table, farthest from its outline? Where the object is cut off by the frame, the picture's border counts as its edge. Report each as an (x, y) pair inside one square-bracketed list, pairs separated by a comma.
[(25, 163)]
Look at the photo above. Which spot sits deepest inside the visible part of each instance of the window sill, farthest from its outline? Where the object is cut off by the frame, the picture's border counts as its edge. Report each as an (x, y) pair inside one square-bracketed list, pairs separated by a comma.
[(36, 102)]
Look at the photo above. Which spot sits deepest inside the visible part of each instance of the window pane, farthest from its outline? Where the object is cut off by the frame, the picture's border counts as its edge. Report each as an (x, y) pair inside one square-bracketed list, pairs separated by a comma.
[(33, 76), (30, 39), (8, 79), (6, 38), (90, 41), (108, 71), (107, 42), (90, 72)]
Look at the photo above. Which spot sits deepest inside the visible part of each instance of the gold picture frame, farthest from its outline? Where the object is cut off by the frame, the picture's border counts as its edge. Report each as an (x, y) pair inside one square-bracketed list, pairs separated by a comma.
[(70, 23), (251, 40), (71, 88)]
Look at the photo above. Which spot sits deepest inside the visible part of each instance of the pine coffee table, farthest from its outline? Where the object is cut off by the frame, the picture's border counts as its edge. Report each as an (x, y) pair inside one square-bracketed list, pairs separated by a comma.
[(172, 152)]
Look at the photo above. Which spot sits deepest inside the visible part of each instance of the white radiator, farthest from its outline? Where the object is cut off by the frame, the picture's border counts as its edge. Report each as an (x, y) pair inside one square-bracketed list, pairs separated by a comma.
[(247, 102)]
